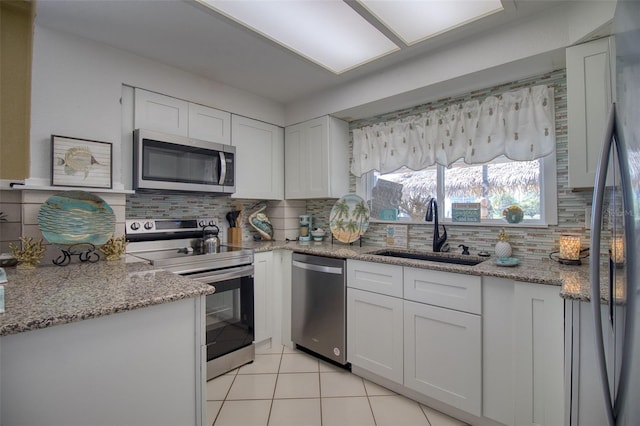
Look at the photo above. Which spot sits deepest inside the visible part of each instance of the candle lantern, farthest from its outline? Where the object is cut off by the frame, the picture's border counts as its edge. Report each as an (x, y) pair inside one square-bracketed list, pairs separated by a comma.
[(570, 250)]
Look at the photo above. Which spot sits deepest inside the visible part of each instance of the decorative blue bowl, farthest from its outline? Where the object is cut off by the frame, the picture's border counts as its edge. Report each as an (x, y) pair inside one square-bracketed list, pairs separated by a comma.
[(76, 217)]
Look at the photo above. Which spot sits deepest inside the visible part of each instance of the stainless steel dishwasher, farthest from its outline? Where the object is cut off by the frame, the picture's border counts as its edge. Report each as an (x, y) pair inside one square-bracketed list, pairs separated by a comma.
[(318, 311)]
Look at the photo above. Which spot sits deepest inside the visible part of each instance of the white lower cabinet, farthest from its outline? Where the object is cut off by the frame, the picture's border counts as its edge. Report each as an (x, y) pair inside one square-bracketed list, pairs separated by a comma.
[(263, 296), (375, 333), (539, 355), (442, 355), (523, 354), (488, 350)]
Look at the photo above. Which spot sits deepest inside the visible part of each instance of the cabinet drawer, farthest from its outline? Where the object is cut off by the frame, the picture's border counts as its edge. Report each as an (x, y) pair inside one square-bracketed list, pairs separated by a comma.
[(446, 289), (376, 277)]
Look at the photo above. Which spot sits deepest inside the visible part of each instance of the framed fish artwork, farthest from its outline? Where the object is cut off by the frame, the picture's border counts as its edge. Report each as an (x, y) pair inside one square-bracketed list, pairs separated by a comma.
[(81, 162)]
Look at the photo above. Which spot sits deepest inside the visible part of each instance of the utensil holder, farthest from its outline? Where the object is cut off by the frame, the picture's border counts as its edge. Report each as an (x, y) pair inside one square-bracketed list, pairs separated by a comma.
[(234, 235)]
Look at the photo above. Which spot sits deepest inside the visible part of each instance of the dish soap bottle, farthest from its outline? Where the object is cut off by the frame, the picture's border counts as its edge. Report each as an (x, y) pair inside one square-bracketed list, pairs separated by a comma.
[(503, 248)]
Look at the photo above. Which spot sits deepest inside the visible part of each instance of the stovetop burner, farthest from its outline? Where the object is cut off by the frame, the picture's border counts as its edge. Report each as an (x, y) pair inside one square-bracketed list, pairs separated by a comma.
[(171, 244)]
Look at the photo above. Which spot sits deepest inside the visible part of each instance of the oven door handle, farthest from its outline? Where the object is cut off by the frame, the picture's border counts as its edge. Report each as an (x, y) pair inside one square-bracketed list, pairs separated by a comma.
[(211, 277)]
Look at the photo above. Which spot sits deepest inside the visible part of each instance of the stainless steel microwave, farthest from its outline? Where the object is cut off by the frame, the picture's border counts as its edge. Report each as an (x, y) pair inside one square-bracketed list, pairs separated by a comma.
[(170, 162)]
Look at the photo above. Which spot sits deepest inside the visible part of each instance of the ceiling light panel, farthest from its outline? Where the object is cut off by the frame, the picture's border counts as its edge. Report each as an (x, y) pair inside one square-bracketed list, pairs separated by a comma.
[(327, 32), (414, 21)]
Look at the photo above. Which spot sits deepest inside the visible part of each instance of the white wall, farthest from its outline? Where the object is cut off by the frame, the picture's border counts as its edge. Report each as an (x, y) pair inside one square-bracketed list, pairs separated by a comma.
[(76, 89)]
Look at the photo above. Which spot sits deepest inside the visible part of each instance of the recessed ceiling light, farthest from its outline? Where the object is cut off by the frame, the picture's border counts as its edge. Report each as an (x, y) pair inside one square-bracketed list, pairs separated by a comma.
[(327, 32), (414, 21)]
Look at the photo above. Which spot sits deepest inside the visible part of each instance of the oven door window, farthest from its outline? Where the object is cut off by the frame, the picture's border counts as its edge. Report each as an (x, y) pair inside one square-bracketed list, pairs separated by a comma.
[(229, 317)]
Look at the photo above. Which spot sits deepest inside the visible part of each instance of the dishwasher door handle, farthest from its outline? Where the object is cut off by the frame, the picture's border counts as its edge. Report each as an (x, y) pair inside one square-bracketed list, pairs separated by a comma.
[(317, 268)]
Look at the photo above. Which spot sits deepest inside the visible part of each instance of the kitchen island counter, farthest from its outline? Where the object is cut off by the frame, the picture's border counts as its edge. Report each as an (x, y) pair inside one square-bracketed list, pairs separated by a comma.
[(52, 295), (122, 344)]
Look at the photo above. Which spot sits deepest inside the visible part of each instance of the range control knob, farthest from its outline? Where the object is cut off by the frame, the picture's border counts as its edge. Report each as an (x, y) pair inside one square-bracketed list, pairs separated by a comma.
[(148, 225), (202, 224), (212, 223), (134, 226)]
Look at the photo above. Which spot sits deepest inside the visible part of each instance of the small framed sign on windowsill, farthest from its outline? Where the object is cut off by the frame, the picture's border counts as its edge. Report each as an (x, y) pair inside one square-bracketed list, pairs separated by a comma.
[(465, 212), (81, 163)]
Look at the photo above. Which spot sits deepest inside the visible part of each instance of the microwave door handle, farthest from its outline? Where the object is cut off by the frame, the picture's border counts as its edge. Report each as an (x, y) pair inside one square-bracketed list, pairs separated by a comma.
[(223, 168)]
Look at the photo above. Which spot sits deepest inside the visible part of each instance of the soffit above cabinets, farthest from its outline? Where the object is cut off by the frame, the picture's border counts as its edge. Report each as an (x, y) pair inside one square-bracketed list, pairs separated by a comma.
[(188, 35)]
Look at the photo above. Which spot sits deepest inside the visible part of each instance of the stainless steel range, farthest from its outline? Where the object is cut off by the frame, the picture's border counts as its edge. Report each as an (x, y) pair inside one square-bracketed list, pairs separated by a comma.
[(176, 245)]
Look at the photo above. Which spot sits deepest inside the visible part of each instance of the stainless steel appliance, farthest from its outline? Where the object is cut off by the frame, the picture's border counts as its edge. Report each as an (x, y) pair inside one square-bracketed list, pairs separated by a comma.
[(616, 229), (170, 162), (318, 305), (176, 245)]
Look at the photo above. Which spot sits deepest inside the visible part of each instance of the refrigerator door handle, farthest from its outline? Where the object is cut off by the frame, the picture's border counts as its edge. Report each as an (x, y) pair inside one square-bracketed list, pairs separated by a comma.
[(594, 259)]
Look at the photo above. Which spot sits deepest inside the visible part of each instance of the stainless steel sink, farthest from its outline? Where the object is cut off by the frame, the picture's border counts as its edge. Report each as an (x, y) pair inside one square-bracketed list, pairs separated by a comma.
[(430, 257)]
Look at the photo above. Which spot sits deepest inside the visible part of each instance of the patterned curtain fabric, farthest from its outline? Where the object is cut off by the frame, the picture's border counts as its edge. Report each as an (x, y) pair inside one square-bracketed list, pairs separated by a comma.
[(519, 124)]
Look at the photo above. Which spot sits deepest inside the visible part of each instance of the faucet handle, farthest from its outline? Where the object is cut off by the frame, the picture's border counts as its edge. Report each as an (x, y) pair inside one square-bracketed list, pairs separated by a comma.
[(465, 249)]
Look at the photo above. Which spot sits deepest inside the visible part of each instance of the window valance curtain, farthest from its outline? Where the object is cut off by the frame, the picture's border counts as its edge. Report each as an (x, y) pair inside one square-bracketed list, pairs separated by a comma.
[(519, 124)]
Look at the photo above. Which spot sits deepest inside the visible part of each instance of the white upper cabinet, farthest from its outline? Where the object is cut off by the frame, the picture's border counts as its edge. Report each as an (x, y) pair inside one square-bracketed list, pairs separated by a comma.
[(589, 97), (162, 113), (260, 159), (209, 124), (154, 111), (316, 159)]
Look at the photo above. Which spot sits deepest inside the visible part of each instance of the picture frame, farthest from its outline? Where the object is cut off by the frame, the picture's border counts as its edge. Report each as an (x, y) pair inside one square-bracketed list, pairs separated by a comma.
[(81, 162)]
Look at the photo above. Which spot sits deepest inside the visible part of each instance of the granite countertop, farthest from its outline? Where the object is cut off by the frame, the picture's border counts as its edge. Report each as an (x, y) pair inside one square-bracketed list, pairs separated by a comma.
[(574, 280), (53, 295)]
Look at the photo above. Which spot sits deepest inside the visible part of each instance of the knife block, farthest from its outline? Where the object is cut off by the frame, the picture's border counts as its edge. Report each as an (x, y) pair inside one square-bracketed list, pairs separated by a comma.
[(234, 235)]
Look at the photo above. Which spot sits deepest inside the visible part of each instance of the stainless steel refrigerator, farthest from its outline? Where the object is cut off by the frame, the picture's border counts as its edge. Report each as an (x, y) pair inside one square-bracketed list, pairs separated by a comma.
[(615, 238)]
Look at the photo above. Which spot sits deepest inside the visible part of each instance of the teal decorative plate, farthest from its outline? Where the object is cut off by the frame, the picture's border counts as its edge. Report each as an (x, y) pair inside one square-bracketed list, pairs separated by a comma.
[(349, 218), (76, 217), (507, 261)]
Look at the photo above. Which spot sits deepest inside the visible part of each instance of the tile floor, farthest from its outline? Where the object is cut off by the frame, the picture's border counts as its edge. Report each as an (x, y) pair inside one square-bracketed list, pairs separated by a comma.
[(285, 387)]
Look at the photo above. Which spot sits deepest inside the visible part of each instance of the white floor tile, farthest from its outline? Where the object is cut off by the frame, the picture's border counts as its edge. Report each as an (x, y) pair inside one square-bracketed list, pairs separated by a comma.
[(295, 412), (341, 384), (244, 413), (213, 407), (436, 418), (397, 410), (253, 386), (218, 388), (263, 364), (298, 385), (374, 389), (352, 411), (298, 363)]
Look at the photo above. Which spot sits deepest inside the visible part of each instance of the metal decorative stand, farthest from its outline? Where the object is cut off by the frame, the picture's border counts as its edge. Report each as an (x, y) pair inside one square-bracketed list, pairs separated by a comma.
[(86, 252), (351, 243)]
